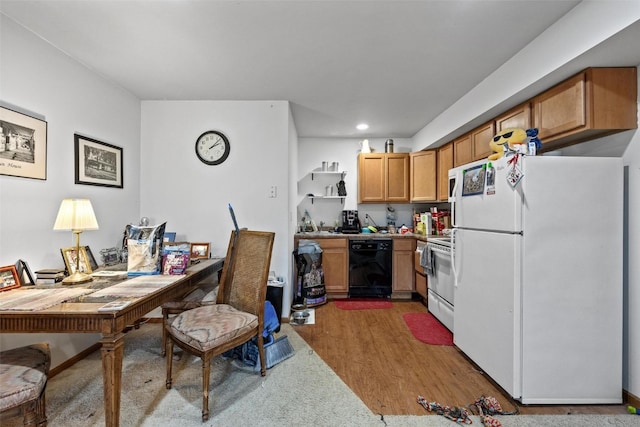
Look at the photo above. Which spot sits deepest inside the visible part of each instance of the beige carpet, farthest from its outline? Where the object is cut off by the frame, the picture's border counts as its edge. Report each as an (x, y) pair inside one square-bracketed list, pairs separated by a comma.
[(300, 391)]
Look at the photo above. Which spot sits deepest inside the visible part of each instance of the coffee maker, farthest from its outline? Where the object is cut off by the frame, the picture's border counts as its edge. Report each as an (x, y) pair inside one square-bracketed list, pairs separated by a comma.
[(350, 222)]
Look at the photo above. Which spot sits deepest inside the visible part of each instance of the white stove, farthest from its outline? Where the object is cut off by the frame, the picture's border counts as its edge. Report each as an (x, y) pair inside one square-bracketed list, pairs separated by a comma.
[(437, 263)]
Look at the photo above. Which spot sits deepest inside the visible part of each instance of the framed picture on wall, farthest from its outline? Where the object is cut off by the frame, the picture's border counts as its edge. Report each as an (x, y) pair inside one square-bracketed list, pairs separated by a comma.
[(23, 145), (97, 163)]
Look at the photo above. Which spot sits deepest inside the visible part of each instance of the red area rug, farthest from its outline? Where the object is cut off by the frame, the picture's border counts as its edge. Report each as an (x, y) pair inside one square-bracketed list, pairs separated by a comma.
[(362, 304), (428, 329)]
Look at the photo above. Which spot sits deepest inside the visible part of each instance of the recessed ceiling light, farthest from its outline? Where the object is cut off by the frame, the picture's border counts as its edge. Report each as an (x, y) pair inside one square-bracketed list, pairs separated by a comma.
[(362, 126)]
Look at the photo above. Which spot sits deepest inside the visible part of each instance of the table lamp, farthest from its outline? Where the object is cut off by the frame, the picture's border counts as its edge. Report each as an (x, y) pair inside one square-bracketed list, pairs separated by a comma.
[(76, 215)]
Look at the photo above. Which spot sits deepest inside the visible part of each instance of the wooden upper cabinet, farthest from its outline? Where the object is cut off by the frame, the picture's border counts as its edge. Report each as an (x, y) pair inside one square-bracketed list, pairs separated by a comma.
[(423, 176), (397, 178), (463, 150), (480, 138), (371, 177), (518, 117), (594, 103), (445, 162), (383, 177), (473, 145)]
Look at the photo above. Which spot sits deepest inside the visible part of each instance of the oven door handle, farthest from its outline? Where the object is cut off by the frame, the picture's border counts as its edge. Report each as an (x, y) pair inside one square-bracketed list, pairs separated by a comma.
[(437, 249)]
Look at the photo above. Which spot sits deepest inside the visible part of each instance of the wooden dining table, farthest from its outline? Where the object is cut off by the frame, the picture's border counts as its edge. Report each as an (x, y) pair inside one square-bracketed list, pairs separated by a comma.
[(35, 310)]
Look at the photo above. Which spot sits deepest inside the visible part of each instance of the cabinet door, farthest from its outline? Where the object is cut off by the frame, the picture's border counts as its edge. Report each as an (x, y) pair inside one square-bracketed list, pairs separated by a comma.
[(403, 273), (371, 178), (480, 138), (445, 162), (423, 176), (397, 175), (561, 109), (334, 264), (462, 150), (519, 117)]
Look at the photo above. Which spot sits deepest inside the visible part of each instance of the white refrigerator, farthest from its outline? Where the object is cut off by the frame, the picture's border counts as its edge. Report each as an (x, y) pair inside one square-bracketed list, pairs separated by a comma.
[(538, 276)]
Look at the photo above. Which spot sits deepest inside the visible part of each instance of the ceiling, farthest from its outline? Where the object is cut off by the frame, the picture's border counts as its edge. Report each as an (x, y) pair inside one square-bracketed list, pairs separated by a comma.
[(393, 64)]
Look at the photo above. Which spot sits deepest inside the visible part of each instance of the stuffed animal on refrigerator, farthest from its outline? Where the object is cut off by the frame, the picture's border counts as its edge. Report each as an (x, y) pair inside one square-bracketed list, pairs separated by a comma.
[(514, 140)]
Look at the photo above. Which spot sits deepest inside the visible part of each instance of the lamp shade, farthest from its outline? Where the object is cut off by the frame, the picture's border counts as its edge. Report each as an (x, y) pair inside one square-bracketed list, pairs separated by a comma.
[(76, 214)]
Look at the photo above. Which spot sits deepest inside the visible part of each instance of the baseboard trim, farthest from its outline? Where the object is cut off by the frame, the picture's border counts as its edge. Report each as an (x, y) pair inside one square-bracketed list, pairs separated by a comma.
[(73, 360), (630, 399)]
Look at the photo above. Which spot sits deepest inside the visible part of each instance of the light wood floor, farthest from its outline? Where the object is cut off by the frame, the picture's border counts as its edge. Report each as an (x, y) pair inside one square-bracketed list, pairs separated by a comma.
[(374, 353)]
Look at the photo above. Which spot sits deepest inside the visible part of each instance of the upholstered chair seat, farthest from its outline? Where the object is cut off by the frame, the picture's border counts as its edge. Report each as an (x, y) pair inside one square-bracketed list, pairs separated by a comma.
[(211, 326), (23, 379)]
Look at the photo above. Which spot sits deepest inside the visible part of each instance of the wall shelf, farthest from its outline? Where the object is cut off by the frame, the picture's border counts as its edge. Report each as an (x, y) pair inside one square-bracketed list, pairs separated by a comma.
[(343, 173), (326, 197)]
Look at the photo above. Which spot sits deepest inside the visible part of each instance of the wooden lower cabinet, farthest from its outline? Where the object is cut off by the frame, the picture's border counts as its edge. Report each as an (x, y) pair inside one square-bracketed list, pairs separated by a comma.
[(403, 253), (335, 265), (421, 285)]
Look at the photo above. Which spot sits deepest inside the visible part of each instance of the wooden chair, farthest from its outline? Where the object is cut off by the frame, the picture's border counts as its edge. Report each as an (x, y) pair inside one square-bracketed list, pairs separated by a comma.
[(23, 378), (238, 314)]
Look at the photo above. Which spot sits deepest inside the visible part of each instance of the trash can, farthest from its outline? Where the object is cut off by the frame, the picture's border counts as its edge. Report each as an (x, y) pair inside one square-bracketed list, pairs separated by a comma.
[(274, 296), (309, 289)]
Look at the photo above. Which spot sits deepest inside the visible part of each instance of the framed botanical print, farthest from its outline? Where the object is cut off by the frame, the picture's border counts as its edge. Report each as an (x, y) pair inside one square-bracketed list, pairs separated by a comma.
[(23, 145), (97, 163)]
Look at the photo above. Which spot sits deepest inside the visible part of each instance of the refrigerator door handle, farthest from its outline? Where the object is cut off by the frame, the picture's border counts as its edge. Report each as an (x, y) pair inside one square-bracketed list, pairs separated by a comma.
[(453, 203), (453, 256)]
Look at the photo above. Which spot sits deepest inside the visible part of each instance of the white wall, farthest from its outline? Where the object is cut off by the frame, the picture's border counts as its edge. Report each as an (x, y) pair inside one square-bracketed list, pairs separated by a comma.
[(192, 197), (291, 217), (36, 78)]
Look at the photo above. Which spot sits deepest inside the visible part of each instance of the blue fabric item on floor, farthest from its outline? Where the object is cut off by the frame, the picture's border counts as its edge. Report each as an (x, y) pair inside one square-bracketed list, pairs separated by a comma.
[(248, 352)]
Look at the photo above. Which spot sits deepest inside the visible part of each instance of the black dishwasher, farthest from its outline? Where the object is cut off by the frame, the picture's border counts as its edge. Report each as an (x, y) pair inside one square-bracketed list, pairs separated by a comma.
[(370, 268)]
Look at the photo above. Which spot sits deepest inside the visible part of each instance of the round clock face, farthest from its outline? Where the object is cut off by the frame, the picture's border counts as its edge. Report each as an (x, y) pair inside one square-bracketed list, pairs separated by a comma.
[(212, 147)]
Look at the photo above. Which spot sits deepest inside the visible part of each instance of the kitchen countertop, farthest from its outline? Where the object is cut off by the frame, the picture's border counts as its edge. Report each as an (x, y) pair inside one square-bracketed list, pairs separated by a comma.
[(360, 236)]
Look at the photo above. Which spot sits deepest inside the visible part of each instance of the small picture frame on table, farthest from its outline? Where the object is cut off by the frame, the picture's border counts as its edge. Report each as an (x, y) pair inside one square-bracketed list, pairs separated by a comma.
[(169, 236), (199, 250), (70, 258), (110, 256), (9, 278), (25, 275), (92, 260)]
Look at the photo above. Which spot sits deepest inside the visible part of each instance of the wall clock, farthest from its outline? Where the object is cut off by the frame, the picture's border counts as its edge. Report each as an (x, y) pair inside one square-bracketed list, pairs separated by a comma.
[(212, 147)]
